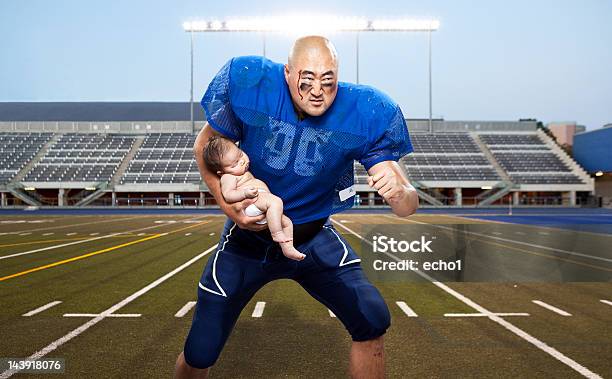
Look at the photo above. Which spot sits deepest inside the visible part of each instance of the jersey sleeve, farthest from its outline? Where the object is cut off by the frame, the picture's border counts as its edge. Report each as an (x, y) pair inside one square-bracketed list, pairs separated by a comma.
[(389, 145), (217, 105)]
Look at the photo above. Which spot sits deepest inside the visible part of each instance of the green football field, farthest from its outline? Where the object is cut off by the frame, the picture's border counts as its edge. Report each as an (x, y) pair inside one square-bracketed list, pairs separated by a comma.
[(113, 296)]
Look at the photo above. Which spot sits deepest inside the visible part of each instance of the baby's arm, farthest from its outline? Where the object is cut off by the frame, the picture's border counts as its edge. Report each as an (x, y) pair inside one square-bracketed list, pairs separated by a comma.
[(230, 191)]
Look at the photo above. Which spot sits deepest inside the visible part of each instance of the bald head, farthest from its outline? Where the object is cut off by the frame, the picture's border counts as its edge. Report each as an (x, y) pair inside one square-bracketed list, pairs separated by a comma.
[(312, 47), (312, 75)]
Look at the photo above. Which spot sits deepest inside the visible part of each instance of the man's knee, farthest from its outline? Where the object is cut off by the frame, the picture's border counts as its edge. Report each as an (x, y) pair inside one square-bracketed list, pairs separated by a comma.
[(184, 370), (375, 317), (201, 358)]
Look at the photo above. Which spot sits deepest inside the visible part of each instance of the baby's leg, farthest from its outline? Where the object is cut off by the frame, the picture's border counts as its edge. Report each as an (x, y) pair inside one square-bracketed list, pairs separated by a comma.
[(281, 227)]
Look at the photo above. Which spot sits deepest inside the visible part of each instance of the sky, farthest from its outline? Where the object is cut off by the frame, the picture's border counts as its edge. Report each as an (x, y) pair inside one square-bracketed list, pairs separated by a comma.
[(491, 60)]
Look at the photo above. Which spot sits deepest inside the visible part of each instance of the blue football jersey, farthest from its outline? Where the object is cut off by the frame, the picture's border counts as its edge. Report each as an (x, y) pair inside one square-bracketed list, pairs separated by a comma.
[(304, 162)]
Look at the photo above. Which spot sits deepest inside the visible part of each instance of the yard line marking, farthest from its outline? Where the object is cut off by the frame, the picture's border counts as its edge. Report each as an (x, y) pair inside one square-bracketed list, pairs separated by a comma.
[(186, 308), (606, 302), (483, 314), (48, 234), (406, 309), (62, 340), (544, 233), (212, 234), (507, 240), (187, 234), (41, 241), (70, 234), (509, 326), (331, 314), (543, 255), (497, 233), (25, 234), (77, 225), (94, 234), (40, 309), (259, 308), (140, 234), (83, 241), (58, 263), (97, 314), (551, 308)]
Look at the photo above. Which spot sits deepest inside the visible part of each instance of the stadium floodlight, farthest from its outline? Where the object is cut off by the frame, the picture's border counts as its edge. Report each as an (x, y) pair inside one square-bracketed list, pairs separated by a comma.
[(313, 24), (599, 173), (293, 24)]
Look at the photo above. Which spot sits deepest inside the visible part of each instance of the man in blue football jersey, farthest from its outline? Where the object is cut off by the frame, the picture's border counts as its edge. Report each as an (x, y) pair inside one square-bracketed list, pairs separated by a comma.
[(302, 130)]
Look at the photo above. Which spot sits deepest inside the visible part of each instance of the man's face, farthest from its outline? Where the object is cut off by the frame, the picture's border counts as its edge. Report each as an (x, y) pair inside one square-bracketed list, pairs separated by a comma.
[(313, 82), (235, 161)]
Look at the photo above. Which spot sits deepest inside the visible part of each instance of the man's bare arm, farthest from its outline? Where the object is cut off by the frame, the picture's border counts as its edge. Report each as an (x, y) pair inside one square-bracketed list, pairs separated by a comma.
[(233, 211), (392, 184)]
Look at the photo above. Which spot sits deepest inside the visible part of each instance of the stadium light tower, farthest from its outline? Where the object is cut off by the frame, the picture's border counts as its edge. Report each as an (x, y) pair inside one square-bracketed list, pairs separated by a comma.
[(294, 24)]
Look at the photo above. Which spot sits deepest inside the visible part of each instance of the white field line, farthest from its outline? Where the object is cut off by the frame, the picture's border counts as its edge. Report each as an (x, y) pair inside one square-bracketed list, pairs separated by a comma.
[(606, 302), (331, 314), (70, 234), (48, 234), (24, 234), (187, 234), (77, 242), (62, 340), (259, 309), (186, 308), (551, 308), (493, 317), (508, 240), (77, 225), (406, 309), (483, 314), (94, 234), (470, 217), (96, 315), (40, 309)]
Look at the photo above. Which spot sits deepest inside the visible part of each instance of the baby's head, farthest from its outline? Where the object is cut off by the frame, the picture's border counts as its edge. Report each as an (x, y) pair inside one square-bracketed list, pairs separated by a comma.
[(222, 156)]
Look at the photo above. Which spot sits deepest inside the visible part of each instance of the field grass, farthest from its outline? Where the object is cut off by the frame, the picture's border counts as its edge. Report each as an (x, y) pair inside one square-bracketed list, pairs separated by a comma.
[(97, 264)]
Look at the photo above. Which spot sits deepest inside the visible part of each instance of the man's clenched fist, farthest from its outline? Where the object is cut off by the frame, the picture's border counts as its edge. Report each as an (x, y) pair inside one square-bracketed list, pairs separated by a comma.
[(389, 185)]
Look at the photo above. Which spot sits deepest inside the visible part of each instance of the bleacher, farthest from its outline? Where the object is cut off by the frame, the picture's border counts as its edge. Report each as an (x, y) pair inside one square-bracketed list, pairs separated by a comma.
[(16, 150), (528, 160), (164, 158), (448, 157), (81, 158)]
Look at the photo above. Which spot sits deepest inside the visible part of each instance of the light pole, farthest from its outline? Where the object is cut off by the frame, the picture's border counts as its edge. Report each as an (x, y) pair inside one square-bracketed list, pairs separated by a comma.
[(291, 24), (191, 88)]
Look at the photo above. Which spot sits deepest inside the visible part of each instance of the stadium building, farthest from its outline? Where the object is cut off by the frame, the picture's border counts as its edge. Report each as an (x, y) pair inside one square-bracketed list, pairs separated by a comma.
[(592, 149), (140, 154)]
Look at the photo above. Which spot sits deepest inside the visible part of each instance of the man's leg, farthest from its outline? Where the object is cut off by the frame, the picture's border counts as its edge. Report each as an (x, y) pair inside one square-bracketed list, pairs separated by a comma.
[(367, 359), (183, 371), (340, 285), (228, 283)]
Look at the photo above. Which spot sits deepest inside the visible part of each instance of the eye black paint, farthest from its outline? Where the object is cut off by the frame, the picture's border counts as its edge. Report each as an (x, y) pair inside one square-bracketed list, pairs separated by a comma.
[(298, 85)]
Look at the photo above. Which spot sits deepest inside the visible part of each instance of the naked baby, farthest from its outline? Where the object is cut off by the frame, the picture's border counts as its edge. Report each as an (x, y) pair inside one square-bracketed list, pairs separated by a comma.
[(223, 157)]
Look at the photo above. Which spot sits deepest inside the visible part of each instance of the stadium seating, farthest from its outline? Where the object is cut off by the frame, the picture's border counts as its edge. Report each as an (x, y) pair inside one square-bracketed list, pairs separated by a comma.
[(444, 143), (16, 150), (82, 158), (448, 157), (528, 160), (164, 158)]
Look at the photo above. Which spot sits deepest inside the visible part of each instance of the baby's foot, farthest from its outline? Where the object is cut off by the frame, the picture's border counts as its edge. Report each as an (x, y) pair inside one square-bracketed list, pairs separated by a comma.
[(291, 252)]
